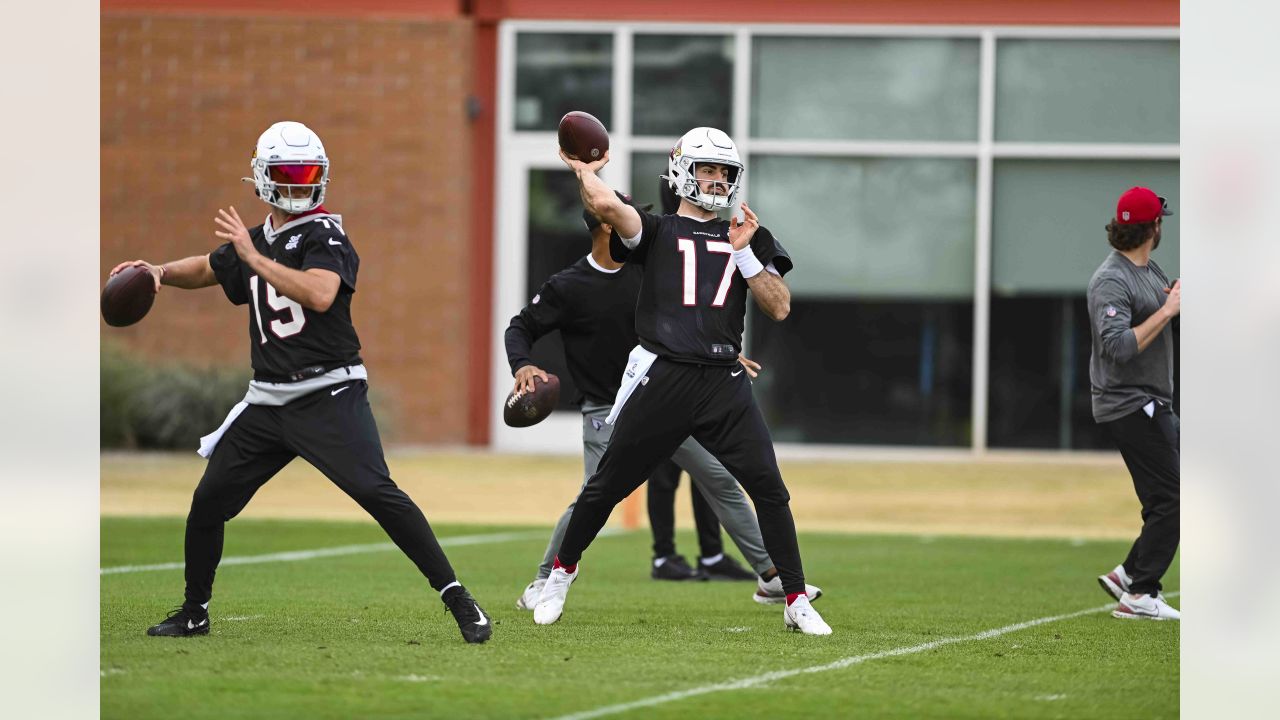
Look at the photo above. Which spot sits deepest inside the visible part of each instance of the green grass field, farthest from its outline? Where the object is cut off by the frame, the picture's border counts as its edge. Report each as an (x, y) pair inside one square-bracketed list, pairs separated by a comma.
[(362, 636)]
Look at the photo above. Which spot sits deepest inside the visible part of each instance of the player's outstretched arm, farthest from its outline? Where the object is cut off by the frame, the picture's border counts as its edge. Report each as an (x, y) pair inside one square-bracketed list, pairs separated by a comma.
[(771, 294), (599, 199), (188, 273)]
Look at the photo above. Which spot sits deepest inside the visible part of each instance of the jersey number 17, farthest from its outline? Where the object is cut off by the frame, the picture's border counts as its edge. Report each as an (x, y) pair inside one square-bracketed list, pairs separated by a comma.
[(689, 250)]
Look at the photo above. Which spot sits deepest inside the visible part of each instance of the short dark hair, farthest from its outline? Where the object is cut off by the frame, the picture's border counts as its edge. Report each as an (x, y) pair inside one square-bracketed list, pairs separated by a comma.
[(1128, 237)]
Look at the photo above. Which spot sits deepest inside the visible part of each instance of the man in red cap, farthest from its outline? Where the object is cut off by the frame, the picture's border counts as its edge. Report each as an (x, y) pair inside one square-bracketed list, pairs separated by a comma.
[(1131, 306)]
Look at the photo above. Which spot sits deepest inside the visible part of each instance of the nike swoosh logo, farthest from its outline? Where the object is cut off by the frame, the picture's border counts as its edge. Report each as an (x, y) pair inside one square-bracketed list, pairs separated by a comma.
[(344, 387), (735, 374), (334, 242), (193, 626), (483, 620)]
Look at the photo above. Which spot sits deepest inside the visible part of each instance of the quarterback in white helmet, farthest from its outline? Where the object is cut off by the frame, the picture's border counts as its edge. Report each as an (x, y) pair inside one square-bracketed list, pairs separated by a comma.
[(290, 168), (704, 168), (296, 273)]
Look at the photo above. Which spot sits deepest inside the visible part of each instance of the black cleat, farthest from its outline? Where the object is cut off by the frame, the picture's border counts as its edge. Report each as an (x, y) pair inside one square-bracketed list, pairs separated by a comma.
[(182, 621), (726, 568), (673, 567), (474, 623)]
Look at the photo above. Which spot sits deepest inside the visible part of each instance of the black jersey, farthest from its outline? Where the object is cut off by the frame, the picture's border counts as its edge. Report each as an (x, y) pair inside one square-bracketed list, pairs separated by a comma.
[(286, 340), (693, 300), (594, 310)]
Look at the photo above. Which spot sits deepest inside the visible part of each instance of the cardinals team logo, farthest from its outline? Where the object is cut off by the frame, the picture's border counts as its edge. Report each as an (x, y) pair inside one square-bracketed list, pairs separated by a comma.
[(1111, 311)]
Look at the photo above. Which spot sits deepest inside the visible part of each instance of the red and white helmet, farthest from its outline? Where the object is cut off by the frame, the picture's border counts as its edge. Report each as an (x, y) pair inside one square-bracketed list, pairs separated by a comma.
[(289, 155), (704, 145)]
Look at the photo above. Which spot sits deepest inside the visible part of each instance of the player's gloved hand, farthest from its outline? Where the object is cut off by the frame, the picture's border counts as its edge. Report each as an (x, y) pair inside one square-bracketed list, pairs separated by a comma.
[(525, 375), (751, 366), (155, 270)]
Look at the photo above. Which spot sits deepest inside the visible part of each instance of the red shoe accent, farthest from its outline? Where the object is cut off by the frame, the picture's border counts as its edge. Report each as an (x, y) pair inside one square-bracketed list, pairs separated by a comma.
[(791, 597), (571, 569)]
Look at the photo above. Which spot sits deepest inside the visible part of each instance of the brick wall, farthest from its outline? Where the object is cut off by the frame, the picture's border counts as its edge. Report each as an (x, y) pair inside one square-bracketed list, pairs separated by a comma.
[(183, 102)]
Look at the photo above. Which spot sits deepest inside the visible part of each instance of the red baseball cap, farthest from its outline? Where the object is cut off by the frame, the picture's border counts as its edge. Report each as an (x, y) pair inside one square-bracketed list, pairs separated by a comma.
[(1140, 205)]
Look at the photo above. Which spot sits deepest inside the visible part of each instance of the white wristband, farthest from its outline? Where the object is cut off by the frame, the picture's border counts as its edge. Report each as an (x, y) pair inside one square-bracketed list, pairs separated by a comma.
[(748, 264)]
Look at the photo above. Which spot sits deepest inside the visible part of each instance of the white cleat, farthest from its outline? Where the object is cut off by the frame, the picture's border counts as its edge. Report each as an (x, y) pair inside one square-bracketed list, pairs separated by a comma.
[(1144, 607), (1115, 583), (551, 602), (771, 593), (529, 597), (801, 616)]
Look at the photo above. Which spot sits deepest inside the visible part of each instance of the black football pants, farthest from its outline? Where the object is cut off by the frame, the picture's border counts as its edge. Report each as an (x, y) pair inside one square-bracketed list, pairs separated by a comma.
[(714, 404), (334, 430), (1150, 447), (662, 487)]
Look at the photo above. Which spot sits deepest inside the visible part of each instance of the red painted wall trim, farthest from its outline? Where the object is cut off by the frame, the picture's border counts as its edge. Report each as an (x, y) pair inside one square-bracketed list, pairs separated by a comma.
[(927, 12), (419, 9), (483, 186)]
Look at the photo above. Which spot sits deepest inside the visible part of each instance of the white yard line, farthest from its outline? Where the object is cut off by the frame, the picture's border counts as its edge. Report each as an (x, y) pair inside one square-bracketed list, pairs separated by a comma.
[(776, 675), (296, 555)]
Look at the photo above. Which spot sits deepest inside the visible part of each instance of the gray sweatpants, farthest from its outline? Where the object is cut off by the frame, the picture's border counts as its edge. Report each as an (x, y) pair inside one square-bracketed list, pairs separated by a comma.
[(710, 477)]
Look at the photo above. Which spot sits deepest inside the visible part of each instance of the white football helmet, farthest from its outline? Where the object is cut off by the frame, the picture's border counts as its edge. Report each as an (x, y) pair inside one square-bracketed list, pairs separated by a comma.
[(288, 156), (704, 145)]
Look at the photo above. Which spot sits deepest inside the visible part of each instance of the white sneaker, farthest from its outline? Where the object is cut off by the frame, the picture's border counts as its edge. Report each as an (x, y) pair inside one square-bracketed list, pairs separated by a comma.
[(1115, 583), (529, 597), (801, 616), (551, 602), (771, 593), (1144, 607)]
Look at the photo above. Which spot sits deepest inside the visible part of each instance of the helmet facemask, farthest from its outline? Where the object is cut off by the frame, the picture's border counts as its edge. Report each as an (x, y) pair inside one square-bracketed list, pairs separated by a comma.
[(703, 146), (294, 186)]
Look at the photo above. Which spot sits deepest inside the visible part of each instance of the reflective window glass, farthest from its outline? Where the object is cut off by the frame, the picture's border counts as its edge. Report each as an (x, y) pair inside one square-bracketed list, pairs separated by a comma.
[(1087, 91), (682, 82), (1048, 220), (864, 88), (866, 372), (556, 73), (889, 227)]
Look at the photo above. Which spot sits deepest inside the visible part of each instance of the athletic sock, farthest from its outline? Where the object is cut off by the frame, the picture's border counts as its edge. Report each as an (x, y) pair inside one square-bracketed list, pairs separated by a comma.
[(454, 586), (571, 569), (792, 597)]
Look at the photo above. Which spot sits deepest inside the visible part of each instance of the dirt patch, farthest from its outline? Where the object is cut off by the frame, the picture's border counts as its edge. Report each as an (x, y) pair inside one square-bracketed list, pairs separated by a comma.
[(976, 497)]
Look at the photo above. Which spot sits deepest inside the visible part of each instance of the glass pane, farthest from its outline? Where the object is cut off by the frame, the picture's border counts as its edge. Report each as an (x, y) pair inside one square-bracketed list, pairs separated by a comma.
[(556, 73), (557, 239), (646, 183), (1039, 394), (890, 227), (851, 371), (1087, 91), (1048, 219), (682, 82), (864, 88)]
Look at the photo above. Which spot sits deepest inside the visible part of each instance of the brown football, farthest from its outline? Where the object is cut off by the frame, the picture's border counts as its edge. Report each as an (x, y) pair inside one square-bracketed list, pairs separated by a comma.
[(524, 409), (128, 296), (583, 137)]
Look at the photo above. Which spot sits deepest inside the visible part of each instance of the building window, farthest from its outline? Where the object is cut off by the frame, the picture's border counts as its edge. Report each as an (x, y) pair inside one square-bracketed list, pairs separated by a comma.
[(1087, 91), (556, 73), (682, 82), (820, 88)]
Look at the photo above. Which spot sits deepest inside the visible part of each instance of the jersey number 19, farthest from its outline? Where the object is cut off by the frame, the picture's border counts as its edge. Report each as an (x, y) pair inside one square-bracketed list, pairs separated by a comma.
[(279, 303)]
